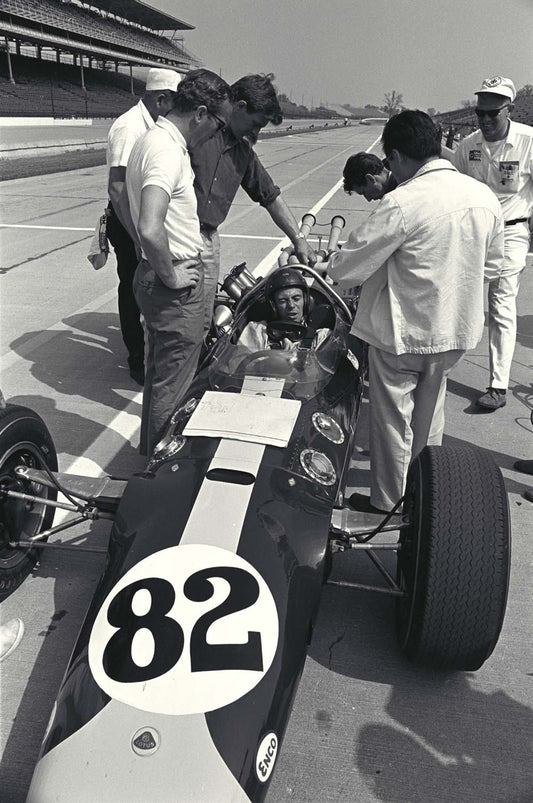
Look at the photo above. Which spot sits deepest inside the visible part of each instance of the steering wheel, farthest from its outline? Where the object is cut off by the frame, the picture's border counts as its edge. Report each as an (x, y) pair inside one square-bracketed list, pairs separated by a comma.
[(265, 363), (277, 330)]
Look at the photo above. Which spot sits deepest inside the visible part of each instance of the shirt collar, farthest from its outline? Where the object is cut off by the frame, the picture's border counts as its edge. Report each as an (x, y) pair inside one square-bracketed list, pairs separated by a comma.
[(510, 139), (430, 167), (147, 117), (172, 130)]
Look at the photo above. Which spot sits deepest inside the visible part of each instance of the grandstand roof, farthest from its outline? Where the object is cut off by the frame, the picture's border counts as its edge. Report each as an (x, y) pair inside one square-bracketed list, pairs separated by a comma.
[(136, 11)]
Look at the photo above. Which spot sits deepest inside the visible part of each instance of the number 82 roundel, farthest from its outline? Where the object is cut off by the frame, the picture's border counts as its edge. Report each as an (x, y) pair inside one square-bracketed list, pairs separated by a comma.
[(187, 630)]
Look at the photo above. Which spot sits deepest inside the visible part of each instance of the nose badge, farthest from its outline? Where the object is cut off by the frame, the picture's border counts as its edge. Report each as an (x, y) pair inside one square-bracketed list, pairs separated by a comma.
[(145, 741)]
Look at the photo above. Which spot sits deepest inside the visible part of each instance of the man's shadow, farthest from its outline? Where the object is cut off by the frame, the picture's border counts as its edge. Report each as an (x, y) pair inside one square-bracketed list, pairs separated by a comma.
[(89, 361), (454, 740)]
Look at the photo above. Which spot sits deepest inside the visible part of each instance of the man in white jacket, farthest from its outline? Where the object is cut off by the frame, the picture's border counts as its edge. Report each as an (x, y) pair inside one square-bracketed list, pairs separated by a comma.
[(420, 257)]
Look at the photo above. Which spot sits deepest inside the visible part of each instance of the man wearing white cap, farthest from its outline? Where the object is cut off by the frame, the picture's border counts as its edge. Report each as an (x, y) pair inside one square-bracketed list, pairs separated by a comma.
[(500, 154), (157, 99)]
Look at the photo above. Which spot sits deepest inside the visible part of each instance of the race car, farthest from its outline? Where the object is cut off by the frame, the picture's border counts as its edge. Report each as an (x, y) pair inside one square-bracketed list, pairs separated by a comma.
[(182, 679)]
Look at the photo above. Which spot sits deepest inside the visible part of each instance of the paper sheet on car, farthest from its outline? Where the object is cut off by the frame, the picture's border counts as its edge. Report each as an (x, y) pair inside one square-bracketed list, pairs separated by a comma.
[(259, 419)]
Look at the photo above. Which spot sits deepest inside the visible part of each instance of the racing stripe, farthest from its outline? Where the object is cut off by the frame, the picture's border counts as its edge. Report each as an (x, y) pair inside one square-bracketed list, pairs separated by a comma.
[(230, 501), (98, 763)]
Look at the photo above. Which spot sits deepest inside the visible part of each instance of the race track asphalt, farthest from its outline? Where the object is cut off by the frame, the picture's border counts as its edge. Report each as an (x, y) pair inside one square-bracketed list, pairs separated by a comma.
[(366, 726)]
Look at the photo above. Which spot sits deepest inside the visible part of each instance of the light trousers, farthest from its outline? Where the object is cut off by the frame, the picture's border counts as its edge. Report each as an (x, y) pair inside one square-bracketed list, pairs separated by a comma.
[(503, 292), (407, 395)]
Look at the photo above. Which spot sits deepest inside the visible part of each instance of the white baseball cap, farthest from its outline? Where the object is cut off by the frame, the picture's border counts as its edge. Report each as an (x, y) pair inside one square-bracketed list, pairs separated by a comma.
[(498, 86), (159, 79)]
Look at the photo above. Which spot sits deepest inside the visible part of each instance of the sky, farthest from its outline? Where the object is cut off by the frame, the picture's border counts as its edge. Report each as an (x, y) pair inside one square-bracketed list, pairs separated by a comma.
[(434, 52)]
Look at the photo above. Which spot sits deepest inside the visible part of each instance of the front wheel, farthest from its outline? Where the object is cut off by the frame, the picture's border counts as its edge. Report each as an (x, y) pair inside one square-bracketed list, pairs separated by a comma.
[(24, 441), (453, 559)]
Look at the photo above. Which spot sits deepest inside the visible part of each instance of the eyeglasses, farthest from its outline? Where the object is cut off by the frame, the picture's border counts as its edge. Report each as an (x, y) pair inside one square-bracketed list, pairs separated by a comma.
[(219, 121), (386, 161), (490, 112)]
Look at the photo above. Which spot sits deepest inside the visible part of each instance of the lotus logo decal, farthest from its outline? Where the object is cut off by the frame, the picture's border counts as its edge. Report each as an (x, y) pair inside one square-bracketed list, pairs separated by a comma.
[(145, 741)]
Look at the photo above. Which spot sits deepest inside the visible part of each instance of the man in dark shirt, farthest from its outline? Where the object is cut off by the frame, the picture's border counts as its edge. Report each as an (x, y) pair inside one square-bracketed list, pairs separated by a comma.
[(226, 162)]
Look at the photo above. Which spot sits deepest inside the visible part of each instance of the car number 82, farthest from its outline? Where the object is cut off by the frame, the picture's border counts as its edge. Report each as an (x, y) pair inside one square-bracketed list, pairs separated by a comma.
[(178, 619)]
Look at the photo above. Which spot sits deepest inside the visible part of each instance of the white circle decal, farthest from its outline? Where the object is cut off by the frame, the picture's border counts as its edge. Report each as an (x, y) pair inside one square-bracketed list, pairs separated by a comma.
[(266, 756), (187, 630)]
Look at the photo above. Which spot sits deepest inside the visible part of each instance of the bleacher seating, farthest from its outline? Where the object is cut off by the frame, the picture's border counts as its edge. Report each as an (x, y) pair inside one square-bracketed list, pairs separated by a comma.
[(87, 25), (47, 89)]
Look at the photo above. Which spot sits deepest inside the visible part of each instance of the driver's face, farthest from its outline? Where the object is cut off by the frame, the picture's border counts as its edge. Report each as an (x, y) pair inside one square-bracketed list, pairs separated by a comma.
[(290, 304)]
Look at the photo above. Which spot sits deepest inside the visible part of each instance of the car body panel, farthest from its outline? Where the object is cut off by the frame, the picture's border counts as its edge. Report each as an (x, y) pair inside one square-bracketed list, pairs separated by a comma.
[(184, 672)]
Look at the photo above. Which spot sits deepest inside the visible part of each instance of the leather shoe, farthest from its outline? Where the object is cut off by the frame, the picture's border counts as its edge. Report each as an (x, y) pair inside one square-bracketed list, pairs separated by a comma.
[(493, 399), (525, 466), (529, 494), (361, 503)]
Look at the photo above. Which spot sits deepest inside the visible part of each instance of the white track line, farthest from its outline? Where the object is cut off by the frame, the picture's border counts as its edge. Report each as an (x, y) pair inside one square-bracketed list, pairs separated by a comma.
[(49, 228), (79, 228)]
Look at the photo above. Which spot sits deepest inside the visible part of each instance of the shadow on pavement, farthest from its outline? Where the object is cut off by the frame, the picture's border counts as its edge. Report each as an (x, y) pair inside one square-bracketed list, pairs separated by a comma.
[(459, 740), (94, 353)]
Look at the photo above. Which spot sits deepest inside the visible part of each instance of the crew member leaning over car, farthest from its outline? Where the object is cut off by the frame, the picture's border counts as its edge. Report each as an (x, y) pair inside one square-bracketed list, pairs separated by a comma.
[(287, 294), (228, 161), (420, 257)]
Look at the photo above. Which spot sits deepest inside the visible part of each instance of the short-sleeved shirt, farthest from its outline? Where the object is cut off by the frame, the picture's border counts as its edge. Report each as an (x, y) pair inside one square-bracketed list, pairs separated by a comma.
[(506, 166), (159, 158), (124, 133), (222, 165)]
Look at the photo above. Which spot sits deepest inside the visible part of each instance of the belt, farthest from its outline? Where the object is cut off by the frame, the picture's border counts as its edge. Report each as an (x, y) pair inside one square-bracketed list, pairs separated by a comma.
[(516, 220)]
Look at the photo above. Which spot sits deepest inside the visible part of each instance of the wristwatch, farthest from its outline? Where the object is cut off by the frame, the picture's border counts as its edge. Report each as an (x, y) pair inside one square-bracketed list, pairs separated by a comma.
[(300, 236)]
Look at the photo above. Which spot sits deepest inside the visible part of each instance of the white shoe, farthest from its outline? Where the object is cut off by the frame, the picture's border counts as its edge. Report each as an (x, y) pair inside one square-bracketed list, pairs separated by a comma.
[(10, 637)]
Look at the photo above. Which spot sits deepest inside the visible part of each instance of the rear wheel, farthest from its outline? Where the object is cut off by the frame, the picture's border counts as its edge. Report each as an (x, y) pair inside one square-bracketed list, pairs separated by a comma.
[(454, 559), (24, 441)]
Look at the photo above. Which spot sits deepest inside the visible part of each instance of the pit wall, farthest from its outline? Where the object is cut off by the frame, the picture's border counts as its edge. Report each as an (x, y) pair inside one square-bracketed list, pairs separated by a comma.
[(38, 121)]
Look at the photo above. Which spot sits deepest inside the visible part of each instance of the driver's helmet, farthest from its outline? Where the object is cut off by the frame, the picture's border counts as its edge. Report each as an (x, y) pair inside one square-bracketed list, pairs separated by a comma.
[(282, 278)]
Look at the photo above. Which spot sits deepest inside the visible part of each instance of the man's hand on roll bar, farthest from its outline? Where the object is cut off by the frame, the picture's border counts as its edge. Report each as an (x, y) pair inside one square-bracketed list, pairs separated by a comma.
[(303, 251)]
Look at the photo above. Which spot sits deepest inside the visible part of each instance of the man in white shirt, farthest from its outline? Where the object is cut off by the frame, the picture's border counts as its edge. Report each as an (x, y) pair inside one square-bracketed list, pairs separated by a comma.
[(168, 282), (156, 100), (420, 258), (500, 154)]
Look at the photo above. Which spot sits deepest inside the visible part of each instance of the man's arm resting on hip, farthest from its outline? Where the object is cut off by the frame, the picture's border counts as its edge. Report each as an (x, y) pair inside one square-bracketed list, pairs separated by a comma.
[(154, 241)]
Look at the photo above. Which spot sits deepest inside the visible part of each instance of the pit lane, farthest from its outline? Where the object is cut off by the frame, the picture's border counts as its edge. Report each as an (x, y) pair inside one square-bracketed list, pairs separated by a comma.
[(366, 725)]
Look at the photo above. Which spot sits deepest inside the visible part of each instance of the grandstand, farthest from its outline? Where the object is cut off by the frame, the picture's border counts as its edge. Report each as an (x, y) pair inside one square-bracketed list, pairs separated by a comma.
[(66, 58)]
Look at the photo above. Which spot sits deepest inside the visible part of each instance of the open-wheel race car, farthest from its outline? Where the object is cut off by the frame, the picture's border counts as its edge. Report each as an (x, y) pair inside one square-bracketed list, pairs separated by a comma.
[(182, 679)]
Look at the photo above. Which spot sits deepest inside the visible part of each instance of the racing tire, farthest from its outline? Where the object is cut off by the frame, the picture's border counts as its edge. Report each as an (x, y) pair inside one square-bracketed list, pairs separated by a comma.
[(24, 440), (453, 559)]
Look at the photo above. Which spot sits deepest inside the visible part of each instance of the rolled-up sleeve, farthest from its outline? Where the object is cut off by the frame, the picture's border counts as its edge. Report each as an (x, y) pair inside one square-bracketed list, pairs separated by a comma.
[(257, 183), (369, 246)]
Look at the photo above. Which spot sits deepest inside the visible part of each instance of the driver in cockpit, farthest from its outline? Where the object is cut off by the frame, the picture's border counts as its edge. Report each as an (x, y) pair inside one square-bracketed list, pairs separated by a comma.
[(287, 294)]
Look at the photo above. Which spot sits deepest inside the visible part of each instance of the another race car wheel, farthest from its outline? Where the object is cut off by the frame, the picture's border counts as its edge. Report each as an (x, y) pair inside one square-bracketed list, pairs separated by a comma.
[(24, 440), (454, 559)]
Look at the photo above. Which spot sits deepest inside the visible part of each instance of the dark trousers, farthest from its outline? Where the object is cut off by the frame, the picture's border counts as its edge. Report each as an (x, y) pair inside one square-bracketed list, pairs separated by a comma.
[(174, 321), (130, 317)]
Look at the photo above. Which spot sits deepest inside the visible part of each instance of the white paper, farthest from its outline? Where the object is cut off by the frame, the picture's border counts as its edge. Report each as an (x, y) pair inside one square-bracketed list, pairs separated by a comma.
[(237, 416)]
